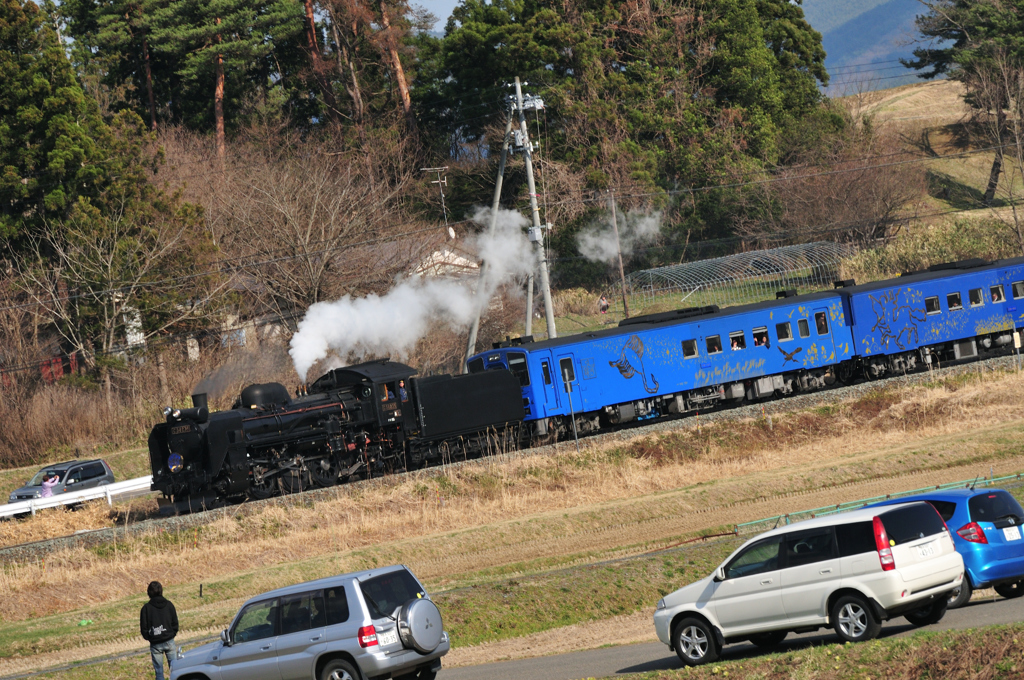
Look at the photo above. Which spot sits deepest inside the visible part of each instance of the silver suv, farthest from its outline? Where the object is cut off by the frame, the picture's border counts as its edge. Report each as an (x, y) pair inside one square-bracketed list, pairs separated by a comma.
[(371, 624), (74, 475)]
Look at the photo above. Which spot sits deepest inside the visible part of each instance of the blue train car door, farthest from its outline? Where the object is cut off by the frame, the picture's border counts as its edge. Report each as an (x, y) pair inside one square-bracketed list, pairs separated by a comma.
[(568, 380), (823, 349), (551, 383)]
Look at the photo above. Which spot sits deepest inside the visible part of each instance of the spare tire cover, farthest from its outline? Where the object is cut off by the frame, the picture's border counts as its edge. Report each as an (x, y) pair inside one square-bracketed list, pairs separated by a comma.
[(419, 625)]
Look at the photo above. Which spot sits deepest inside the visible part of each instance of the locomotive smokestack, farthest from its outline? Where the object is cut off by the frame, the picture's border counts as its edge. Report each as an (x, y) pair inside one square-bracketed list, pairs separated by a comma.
[(199, 400)]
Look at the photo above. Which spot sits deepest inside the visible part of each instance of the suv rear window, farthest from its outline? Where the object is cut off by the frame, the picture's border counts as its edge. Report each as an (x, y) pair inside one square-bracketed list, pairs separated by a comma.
[(911, 522), (855, 538), (386, 593), (989, 507)]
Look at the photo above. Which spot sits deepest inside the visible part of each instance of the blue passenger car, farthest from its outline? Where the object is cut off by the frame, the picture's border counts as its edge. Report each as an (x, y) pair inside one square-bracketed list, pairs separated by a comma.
[(679, 361), (693, 359), (954, 311)]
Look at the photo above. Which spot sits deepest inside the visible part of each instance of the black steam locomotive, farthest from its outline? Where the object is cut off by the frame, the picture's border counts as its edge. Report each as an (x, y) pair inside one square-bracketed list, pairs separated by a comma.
[(352, 423)]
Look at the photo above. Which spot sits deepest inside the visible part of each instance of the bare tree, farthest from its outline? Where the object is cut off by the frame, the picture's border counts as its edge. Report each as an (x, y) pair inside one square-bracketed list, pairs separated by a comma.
[(111, 279), (843, 193)]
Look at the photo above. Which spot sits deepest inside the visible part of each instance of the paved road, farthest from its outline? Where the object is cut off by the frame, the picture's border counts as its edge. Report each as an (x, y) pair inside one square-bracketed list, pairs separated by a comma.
[(641, 658)]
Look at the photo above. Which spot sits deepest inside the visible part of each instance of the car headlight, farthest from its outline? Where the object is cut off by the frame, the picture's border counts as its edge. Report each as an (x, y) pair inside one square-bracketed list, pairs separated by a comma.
[(661, 603)]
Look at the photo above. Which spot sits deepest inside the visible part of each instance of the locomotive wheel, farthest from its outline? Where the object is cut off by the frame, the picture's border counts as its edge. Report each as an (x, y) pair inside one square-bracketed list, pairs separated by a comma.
[(324, 472), (262, 486), (295, 481)]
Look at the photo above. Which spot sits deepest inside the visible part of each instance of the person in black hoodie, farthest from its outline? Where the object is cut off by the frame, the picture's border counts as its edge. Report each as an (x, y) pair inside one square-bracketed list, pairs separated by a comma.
[(158, 622)]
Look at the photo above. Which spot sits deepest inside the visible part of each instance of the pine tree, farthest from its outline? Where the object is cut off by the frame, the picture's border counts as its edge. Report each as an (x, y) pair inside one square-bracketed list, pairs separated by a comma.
[(209, 38), (52, 138), (966, 38)]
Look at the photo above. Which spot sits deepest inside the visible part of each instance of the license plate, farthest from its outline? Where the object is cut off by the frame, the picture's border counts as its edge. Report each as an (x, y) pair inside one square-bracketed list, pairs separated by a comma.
[(388, 637), (1011, 533), (927, 550)]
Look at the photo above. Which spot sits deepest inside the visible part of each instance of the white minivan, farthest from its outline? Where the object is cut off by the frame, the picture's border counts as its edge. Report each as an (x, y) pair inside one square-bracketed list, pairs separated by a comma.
[(849, 571)]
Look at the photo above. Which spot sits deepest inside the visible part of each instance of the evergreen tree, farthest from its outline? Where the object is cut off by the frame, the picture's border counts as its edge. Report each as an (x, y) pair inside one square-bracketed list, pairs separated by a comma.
[(965, 39), (53, 142), (211, 38)]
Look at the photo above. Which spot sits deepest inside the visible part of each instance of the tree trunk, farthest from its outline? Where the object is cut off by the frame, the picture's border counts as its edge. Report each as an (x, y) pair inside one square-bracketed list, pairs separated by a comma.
[(317, 61), (993, 177), (343, 60), (107, 388), (218, 102), (997, 162), (403, 87), (149, 84), (165, 393)]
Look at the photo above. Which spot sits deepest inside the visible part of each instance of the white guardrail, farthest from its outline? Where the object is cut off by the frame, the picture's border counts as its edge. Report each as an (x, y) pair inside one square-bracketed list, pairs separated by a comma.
[(131, 487)]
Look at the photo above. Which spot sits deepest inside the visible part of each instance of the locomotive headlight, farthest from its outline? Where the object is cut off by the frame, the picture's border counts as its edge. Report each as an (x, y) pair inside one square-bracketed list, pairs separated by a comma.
[(167, 411), (176, 413)]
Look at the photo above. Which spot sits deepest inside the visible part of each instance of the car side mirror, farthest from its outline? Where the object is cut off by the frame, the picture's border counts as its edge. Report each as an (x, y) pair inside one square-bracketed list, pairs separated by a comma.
[(224, 638), (720, 574)]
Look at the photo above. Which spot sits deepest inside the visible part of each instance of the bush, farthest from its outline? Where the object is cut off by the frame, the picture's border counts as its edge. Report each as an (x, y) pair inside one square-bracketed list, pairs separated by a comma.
[(918, 249)]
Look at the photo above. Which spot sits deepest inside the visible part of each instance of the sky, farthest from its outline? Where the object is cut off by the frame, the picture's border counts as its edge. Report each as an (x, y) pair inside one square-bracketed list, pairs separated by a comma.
[(442, 9)]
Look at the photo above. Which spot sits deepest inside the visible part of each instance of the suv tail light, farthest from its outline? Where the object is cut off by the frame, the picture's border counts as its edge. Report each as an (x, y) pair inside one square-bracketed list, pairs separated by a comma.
[(972, 532), (882, 545), (367, 636)]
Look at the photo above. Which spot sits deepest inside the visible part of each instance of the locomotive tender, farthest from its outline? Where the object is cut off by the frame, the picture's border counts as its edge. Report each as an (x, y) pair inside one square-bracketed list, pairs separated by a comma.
[(363, 420)]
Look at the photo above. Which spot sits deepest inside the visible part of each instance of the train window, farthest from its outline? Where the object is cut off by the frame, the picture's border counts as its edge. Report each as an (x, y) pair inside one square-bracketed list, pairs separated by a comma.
[(517, 364), (931, 305), (953, 301), (784, 331), (568, 372), (689, 349), (714, 344), (476, 365), (976, 296), (805, 328), (997, 293), (1018, 290), (761, 337), (737, 340), (547, 372), (821, 322)]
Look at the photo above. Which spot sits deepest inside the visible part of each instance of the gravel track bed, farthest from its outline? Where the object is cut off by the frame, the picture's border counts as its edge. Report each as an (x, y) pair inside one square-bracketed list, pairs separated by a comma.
[(33, 552)]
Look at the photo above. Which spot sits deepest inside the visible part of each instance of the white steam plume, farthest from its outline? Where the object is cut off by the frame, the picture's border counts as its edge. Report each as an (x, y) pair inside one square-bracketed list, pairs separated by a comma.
[(393, 323), (597, 242)]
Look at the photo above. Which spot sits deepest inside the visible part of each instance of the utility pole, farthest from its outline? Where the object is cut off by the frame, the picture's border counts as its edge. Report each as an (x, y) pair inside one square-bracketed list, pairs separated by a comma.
[(618, 249), (441, 183), (475, 327), (536, 235)]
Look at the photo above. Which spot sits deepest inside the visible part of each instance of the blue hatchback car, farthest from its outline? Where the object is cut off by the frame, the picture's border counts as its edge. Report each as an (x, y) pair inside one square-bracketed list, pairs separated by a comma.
[(986, 529)]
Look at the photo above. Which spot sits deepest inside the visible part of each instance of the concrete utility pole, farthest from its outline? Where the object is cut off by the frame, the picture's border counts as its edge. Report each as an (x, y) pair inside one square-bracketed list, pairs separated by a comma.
[(475, 327), (618, 249), (536, 235)]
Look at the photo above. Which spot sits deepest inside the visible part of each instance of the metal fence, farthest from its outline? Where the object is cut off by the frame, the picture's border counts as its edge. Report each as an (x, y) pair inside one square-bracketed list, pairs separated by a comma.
[(738, 279), (118, 490), (768, 523)]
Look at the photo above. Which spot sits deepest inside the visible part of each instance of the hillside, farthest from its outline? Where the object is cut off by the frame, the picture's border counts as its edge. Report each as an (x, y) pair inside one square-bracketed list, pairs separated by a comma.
[(864, 40)]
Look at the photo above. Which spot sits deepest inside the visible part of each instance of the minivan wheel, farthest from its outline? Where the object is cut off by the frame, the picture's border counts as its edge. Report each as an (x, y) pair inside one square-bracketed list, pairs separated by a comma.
[(767, 640), (694, 642), (961, 596), (853, 620), (925, 616), (1011, 590), (339, 669)]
